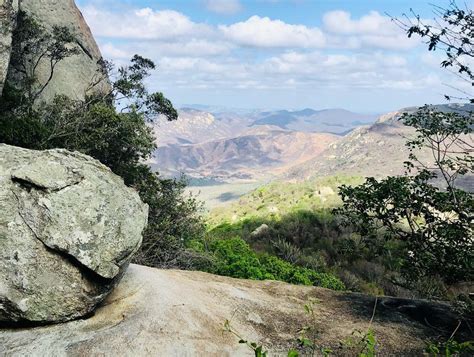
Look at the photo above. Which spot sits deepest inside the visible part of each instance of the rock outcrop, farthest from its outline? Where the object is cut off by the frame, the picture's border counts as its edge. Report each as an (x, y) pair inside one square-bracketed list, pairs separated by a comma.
[(180, 313), (8, 9), (74, 75), (68, 229)]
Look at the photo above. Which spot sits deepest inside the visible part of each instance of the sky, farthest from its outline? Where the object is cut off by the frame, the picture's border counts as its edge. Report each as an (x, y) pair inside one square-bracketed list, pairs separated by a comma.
[(276, 54)]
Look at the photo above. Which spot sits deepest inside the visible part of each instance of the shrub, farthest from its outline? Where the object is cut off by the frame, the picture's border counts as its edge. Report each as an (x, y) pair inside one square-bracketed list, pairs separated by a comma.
[(235, 258), (277, 269), (324, 280)]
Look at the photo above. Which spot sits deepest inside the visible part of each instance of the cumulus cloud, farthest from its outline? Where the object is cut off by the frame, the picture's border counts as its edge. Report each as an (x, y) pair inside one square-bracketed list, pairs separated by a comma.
[(339, 31), (341, 22), (264, 32), (371, 30), (345, 54), (225, 7), (188, 47), (143, 23), (361, 70)]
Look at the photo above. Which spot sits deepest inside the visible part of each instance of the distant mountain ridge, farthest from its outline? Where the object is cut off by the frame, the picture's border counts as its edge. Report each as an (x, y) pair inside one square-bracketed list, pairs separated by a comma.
[(247, 145), (375, 150), (335, 121), (258, 155)]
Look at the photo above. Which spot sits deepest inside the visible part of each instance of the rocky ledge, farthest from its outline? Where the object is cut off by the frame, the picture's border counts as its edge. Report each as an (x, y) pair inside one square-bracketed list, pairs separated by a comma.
[(182, 313)]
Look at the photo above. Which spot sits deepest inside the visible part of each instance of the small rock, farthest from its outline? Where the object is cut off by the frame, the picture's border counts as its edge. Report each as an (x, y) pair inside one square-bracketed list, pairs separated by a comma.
[(261, 229)]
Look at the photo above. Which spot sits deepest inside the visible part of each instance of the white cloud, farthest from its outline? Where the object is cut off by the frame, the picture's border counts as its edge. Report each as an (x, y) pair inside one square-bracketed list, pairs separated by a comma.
[(342, 23), (225, 7), (340, 31), (264, 32), (336, 70), (142, 23), (346, 54), (371, 30), (109, 50), (192, 48)]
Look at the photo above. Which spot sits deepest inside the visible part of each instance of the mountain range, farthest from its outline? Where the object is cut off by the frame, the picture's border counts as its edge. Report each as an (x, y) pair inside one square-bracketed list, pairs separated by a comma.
[(228, 153), (251, 146), (376, 150)]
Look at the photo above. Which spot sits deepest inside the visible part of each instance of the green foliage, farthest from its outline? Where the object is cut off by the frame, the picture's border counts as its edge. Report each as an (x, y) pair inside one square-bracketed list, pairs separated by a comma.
[(258, 350), (369, 344), (35, 46), (234, 257), (451, 32), (174, 221), (317, 241), (362, 344), (450, 348), (278, 199), (120, 139), (434, 224)]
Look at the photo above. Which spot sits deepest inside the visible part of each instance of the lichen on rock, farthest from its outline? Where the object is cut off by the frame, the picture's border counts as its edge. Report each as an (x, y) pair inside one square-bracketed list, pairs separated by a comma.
[(68, 229)]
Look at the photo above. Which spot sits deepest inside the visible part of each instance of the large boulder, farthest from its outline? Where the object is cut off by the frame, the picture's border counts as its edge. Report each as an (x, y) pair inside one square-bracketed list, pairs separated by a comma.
[(182, 313), (68, 229), (74, 75)]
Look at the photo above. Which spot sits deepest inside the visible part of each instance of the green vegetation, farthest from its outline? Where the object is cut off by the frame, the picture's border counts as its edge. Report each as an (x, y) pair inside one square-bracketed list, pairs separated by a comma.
[(120, 139), (294, 223), (418, 230), (278, 199), (451, 32), (450, 348), (434, 224), (234, 257)]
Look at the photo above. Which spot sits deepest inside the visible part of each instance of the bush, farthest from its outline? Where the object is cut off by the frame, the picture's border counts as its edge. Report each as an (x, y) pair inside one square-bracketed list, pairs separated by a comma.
[(234, 257), (324, 280), (426, 209), (278, 269)]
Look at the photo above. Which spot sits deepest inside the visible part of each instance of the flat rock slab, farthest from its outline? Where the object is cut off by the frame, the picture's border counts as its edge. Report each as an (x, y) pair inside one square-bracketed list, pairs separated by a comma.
[(181, 313)]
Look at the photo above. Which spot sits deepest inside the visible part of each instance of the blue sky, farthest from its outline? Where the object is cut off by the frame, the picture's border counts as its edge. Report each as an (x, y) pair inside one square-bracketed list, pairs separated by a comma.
[(275, 53)]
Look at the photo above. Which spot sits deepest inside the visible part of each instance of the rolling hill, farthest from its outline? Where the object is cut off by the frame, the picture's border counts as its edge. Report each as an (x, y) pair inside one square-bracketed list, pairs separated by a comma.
[(376, 150), (254, 155), (336, 121)]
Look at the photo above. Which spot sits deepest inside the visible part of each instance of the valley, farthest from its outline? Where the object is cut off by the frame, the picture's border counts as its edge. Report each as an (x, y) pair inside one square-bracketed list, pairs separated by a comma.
[(228, 154), (241, 150), (255, 145), (313, 206)]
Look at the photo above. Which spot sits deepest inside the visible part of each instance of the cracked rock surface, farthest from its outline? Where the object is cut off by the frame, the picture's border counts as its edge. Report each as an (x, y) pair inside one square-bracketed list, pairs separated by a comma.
[(68, 229)]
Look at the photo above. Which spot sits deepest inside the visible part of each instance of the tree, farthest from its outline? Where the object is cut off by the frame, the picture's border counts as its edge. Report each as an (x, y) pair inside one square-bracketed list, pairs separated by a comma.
[(32, 47), (451, 31), (428, 209), (433, 219), (120, 139)]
